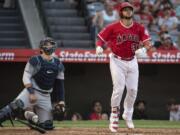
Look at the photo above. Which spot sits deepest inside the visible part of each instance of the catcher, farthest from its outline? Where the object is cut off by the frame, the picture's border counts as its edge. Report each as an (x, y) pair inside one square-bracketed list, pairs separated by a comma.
[(43, 74)]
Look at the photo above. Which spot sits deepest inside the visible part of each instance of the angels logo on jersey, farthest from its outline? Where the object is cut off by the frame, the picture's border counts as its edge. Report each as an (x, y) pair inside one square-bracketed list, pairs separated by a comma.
[(126, 37)]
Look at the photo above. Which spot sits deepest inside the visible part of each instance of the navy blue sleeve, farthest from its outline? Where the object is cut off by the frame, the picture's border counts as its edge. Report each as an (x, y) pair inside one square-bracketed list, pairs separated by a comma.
[(60, 65), (34, 61), (58, 90)]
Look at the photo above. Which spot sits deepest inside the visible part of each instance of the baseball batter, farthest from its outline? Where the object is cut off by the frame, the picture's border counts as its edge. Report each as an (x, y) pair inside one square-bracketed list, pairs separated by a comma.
[(42, 73), (124, 37)]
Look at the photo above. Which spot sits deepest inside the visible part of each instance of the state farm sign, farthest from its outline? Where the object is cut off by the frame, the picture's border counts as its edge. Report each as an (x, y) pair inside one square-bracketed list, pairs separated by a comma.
[(87, 56), (82, 56), (162, 57)]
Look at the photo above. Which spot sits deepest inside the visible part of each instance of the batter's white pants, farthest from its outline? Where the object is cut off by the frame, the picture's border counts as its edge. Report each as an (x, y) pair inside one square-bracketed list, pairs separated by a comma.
[(124, 73)]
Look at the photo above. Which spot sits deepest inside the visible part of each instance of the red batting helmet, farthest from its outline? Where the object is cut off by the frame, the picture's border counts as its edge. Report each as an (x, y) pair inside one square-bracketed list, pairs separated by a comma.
[(125, 4)]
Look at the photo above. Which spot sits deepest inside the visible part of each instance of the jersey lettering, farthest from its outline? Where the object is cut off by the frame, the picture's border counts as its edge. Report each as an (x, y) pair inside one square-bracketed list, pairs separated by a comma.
[(126, 37)]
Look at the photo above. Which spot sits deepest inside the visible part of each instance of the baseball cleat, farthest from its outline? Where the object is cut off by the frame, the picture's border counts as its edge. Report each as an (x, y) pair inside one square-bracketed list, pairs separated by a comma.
[(114, 122), (129, 123), (113, 128)]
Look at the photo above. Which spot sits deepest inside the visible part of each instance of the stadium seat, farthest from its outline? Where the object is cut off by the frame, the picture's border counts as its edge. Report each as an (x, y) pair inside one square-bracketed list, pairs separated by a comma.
[(12, 30), (66, 26)]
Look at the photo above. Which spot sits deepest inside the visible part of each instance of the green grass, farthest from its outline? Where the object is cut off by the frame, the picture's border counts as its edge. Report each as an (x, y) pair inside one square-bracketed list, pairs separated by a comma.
[(104, 124)]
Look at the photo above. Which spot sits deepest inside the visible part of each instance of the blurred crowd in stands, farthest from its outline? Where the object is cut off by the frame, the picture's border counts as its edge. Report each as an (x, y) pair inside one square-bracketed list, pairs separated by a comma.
[(97, 112), (174, 110), (160, 17), (140, 110)]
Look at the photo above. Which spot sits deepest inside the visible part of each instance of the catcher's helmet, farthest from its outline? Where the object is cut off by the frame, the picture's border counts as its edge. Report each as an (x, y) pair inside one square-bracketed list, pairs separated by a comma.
[(44, 42), (124, 5)]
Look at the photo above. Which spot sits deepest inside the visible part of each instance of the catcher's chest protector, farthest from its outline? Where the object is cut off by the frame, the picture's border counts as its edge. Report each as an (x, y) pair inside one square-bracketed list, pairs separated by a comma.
[(47, 73)]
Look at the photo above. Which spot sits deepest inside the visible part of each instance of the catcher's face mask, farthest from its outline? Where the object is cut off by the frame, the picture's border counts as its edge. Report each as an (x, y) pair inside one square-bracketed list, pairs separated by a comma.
[(48, 46)]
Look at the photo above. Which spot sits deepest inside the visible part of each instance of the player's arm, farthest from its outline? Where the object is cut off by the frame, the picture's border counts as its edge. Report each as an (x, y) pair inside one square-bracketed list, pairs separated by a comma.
[(59, 87), (60, 98), (147, 44), (27, 75), (99, 46), (29, 71), (102, 39)]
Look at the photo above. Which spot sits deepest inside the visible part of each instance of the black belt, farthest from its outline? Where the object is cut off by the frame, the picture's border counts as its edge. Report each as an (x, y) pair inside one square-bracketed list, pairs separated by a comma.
[(43, 92), (121, 58)]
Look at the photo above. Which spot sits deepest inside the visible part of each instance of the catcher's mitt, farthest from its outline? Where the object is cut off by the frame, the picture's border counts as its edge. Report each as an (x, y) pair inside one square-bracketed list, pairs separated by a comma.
[(59, 110)]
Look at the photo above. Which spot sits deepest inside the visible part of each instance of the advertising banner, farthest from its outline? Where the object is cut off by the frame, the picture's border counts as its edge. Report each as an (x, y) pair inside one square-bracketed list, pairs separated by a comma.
[(87, 56)]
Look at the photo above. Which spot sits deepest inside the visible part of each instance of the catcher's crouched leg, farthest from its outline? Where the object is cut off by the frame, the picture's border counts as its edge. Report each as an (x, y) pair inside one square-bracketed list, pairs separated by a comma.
[(48, 125), (10, 110)]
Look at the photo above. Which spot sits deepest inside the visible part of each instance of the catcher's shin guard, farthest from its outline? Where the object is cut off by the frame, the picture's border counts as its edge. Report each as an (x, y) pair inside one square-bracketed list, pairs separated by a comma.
[(10, 110), (5, 113)]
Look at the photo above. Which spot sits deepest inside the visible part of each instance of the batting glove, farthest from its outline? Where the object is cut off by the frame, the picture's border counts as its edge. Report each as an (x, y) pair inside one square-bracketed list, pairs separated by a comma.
[(99, 50), (141, 53)]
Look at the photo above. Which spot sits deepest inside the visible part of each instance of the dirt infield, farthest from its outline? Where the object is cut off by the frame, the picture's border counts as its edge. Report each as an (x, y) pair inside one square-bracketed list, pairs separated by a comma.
[(89, 131)]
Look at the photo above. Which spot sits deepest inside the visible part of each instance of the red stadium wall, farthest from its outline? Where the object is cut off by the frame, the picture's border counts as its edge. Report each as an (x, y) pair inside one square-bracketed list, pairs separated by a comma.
[(87, 82)]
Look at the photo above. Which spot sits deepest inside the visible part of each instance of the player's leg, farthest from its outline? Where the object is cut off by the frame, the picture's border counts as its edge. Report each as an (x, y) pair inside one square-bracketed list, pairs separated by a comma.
[(132, 87), (118, 79), (44, 111), (12, 109), (45, 118)]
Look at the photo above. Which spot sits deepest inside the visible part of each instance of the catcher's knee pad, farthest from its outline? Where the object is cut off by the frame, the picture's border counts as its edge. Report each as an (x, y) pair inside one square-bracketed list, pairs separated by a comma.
[(48, 125), (17, 105), (11, 110)]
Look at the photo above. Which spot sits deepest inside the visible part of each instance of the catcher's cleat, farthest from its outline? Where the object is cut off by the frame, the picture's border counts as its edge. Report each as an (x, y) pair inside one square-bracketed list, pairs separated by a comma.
[(114, 121), (47, 125), (129, 123)]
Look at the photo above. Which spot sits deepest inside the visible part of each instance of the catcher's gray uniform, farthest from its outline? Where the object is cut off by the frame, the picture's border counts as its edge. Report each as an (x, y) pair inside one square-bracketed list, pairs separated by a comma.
[(43, 105), (42, 74)]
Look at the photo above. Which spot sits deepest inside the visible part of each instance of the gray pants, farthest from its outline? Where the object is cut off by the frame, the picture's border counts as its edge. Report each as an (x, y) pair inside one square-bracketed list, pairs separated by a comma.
[(42, 106)]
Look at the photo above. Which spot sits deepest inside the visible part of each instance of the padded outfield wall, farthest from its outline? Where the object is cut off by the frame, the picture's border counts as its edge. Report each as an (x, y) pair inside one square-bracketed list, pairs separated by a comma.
[(87, 82)]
